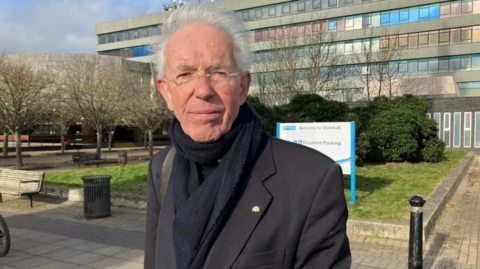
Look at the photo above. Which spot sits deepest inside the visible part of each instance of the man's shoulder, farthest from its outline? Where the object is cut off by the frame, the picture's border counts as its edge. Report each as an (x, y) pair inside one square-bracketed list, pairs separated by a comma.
[(157, 159), (297, 153)]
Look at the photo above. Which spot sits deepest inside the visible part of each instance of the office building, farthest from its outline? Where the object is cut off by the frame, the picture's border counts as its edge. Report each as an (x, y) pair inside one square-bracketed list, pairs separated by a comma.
[(425, 47), (440, 38)]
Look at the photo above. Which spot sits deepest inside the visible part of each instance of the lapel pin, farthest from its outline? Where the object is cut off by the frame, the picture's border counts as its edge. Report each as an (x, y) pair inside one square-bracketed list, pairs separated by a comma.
[(256, 209)]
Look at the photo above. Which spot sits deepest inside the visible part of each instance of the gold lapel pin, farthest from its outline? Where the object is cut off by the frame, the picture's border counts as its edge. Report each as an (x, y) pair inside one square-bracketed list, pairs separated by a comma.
[(256, 209)]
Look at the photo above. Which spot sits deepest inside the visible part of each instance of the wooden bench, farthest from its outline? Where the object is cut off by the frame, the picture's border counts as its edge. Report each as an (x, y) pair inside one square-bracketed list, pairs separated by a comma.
[(87, 159), (19, 182)]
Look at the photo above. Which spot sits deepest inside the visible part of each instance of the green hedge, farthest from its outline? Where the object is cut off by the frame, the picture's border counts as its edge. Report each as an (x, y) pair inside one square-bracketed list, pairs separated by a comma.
[(387, 130)]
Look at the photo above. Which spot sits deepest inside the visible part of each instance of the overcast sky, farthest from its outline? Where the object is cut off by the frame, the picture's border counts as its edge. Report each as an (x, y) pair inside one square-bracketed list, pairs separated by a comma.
[(62, 25)]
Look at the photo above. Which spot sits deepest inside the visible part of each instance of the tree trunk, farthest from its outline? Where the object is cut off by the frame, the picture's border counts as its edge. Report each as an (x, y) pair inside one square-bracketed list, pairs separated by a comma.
[(150, 143), (145, 139), (5, 144), (62, 140), (99, 142), (110, 141), (18, 145)]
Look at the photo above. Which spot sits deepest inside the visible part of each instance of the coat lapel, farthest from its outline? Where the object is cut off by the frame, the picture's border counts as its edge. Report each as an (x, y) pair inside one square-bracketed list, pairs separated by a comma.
[(253, 203)]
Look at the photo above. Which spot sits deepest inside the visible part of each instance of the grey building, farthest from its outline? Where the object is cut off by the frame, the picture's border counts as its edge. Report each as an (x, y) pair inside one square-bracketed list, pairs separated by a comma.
[(439, 40)]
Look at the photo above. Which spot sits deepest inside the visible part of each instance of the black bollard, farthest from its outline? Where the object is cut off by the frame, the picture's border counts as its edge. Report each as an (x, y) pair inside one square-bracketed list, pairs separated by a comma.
[(415, 244)]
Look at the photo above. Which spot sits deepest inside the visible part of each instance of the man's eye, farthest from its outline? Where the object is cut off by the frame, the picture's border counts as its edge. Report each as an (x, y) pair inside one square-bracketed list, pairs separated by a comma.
[(219, 74), (183, 75)]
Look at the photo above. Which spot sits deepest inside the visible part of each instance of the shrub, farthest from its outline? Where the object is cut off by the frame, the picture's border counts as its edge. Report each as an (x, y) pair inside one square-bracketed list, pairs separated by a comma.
[(391, 137), (267, 115), (314, 108), (433, 150)]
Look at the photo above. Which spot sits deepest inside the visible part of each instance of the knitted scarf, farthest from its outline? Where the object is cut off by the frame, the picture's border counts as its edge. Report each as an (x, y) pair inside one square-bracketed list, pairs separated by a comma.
[(201, 207)]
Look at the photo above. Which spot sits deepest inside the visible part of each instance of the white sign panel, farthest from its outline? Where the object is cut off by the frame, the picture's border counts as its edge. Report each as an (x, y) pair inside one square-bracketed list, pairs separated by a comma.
[(334, 139)]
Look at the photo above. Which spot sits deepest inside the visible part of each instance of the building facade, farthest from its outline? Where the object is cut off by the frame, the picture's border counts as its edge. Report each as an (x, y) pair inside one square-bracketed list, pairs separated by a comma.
[(437, 38), (425, 47)]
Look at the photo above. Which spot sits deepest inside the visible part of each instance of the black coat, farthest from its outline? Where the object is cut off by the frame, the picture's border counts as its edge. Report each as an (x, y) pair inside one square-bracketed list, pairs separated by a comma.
[(292, 213)]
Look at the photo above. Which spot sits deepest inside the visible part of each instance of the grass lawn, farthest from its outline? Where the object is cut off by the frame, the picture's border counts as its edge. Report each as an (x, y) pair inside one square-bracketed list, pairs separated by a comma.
[(130, 178), (382, 190)]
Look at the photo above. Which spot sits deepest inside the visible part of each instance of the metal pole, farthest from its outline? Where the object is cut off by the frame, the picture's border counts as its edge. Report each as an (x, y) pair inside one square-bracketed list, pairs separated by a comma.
[(415, 244)]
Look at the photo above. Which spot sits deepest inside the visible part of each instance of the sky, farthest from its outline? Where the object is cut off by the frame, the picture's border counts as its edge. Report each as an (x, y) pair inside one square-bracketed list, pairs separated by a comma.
[(62, 25)]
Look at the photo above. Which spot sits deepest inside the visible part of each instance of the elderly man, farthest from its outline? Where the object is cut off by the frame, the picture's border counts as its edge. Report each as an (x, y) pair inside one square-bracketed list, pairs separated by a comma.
[(225, 194)]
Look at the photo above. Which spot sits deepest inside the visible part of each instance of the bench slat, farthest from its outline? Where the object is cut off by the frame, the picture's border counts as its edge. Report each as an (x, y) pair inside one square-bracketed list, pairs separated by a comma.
[(10, 181)]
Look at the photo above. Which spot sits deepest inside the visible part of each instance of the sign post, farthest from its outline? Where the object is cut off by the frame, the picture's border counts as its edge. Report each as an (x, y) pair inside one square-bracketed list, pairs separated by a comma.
[(334, 139)]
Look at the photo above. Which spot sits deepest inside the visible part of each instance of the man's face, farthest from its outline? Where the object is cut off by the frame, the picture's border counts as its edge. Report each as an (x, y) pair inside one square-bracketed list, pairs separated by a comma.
[(205, 106)]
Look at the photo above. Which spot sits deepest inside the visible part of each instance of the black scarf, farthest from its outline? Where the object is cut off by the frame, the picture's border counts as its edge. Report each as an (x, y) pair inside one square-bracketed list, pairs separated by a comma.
[(201, 208)]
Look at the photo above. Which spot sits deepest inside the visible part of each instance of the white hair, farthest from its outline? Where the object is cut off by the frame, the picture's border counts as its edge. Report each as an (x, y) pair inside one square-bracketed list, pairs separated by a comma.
[(226, 20)]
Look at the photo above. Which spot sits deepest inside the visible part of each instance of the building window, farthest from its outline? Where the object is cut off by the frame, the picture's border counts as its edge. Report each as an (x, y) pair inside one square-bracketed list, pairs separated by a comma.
[(245, 16), (413, 67), (444, 37), (456, 9), (433, 66), (438, 118), (477, 130), (465, 63), (423, 40), (446, 129), (404, 16), (413, 14), (434, 12), (476, 62), (271, 11), (457, 121), (316, 4), (433, 38), (424, 14), (413, 41), (467, 7), (445, 10), (466, 35), (467, 130), (332, 3), (422, 66), (444, 65), (454, 63), (385, 19), (403, 41), (301, 6)]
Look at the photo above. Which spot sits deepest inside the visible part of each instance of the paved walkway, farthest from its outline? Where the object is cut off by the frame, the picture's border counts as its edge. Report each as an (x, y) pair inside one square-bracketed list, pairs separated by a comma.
[(452, 244), (54, 235)]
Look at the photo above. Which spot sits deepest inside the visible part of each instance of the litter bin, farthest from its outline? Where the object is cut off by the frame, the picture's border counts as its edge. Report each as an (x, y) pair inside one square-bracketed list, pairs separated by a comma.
[(96, 196), (122, 157)]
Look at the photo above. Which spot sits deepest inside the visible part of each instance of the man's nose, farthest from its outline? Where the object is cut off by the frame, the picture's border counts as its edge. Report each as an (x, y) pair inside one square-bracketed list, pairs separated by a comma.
[(203, 89)]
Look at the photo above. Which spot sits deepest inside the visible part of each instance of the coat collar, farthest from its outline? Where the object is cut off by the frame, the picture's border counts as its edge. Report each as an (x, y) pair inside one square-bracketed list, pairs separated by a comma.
[(254, 196)]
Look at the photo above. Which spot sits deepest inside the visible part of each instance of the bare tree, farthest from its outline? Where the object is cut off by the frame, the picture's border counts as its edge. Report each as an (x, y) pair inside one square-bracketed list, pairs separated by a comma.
[(24, 93), (147, 110), (380, 60), (62, 116), (297, 60), (96, 88)]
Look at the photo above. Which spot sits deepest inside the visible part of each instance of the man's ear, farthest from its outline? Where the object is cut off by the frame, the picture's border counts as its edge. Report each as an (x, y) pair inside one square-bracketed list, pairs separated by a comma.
[(163, 89), (245, 86)]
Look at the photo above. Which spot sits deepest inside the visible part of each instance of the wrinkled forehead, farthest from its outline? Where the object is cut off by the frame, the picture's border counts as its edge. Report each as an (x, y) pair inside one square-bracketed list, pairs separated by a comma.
[(198, 45)]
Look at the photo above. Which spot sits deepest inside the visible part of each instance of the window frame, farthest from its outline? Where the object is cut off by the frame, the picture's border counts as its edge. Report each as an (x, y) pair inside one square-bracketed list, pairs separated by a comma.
[(457, 124), (447, 115), (465, 129), (477, 130), (439, 123)]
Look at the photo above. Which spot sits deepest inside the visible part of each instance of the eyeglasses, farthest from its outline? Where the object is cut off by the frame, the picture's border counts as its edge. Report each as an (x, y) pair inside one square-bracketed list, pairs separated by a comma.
[(213, 78)]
